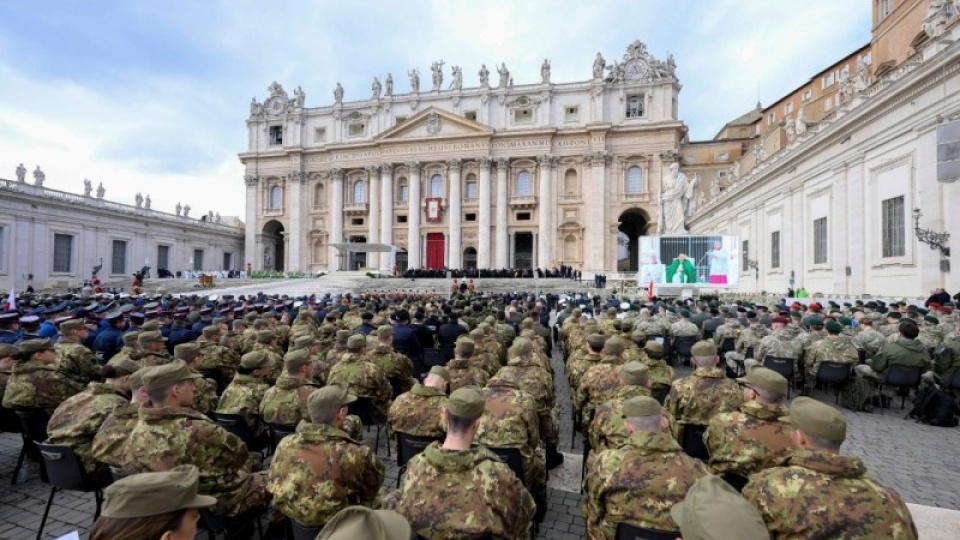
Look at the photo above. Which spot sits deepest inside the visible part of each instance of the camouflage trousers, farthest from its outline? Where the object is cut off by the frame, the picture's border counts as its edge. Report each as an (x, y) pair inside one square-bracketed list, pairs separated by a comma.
[(249, 494), (549, 431)]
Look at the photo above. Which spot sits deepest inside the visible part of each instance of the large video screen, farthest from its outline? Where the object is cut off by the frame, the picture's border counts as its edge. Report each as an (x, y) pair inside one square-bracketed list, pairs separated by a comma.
[(705, 261)]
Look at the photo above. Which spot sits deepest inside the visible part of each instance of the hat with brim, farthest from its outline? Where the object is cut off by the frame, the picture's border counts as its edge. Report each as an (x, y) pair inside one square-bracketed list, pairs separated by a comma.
[(155, 493), (168, 375), (712, 510), (354, 522)]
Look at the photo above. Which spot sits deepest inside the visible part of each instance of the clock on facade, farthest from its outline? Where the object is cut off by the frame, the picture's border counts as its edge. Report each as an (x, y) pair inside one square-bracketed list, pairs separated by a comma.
[(635, 69)]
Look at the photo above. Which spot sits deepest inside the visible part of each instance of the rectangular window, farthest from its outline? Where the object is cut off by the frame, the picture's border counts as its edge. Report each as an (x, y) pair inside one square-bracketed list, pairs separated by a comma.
[(163, 257), (788, 108), (523, 216), (820, 241), (827, 104), (356, 129), (198, 259), (744, 255), (227, 261), (276, 135), (827, 80), (894, 233), (471, 190), (118, 263), (401, 219), (62, 253), (522, 116), (634, 106), (470, 115), (772, 118), (403, 193), (775, 249), (319, 135), (884, 7), (571, 114), (470, 217), (356, 221), (807, 95)]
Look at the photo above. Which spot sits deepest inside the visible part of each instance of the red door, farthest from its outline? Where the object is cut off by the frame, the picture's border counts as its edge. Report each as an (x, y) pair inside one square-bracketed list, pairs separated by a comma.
[(436, 246)]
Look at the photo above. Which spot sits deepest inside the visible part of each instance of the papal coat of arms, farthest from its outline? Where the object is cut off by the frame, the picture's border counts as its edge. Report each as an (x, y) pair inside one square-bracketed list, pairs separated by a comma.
[(433, 123)]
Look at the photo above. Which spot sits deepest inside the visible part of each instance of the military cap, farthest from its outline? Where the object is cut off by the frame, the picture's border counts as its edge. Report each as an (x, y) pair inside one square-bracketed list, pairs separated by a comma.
[(252, 316), (355, 522), (440, 371), (33, 346), (917, 309), (641, 406), (780, 320), (384, 332), (296, 359), (522, 345), (7, 350), (356, 341), (931, 319), (302, 342), (343, 336), (150, 325), (327, 329), (153, 336), (817, 419), (155, 493), (113, 315), (596, 340), (765, 379), (256, 359), (634, 373), (894, 315), (186, 351), (845, 321), (712, 510), (611, 311), (703, 348), (127, 365), (136, 378), (751, 314), (467, 403), (653, 346), (638, 335), (330, 398), (685, 313), (613, 346), (168, 375), (210, 330), (833, 327), (266, 336), (815, 321), (130, 338), (71, 325)]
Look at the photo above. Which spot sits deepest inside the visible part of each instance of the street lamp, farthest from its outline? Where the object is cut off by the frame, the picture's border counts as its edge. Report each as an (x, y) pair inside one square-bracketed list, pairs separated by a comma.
[(934, 239)]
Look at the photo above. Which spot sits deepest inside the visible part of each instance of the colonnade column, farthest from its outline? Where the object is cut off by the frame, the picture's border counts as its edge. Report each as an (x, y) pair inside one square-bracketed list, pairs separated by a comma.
[(455, 215), (251, 246), (373, 216), (386, 216), (336, 217), (413, 219), (483, 238), (544, 212), (295, 180), (596, 222), (502, 165)]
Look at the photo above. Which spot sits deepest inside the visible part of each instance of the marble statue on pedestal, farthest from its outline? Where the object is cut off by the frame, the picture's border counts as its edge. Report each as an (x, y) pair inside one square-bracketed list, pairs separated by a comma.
[(338, 93), (545, 72), (375, 87), (800, 126), (715, 188), (599, 64), (675, 200), (21, 173), (457, 75), (100, 190), (504, 75), (138, 200), (87, 188), (414, 81), (217, 218), (178, 208), (39, 177), (299, 98), (790, 127), (186, 210), (389, 85), (484, 76), (437, 75), (146, 202), (256, 108)]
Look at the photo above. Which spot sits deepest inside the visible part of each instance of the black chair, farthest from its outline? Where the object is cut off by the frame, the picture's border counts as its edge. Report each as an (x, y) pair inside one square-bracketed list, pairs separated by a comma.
[(783, 366), (513, 459), (748, 353), (904, 379), (9, 423), (953, 382), (363, 408), (117, 473), (834, 374), (303, 532), (735, 480), (692, 441), (64, 472), (433, 357), (33, 429), (214, 525), (682, 346), (216, 376), (627, 531), (279, 431), (409, 446), (861, 356), (660, 393), (396, 385), (237, 424)]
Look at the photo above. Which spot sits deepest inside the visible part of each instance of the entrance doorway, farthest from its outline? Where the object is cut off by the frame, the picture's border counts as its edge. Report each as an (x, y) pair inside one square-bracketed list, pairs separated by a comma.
[(632, 225), (273, 255), (470, 258), (358, 260), (523, 250), (401, 261), (436, 247)]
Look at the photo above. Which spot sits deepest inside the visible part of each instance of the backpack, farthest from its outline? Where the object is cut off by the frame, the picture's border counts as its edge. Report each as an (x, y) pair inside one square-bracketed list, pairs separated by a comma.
[(859, 395), (935, 407)]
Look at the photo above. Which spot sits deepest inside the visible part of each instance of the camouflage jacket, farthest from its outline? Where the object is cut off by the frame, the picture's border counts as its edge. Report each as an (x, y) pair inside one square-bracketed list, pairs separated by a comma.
[(166, 437), (818, 494), (77, 362), (869, 340), (215, 356), (108, 443), (778, 344), (285, 403), (78, 419), (638, 483), (320, 470), (750, 337), (660, 372), (578, 364), (684, 328), (128, 353), (4, 377), (463, 374), (698, 398), (205, 395), (363, 379), (38, 385), (606, 430), (510, 421), (243, 396), (748, 440), (393, 364), (730, 329), (274, 353), (322, 364), (418, 412), (151, 359), (598, 384), (530, 377), (453, 494), (830, 349)]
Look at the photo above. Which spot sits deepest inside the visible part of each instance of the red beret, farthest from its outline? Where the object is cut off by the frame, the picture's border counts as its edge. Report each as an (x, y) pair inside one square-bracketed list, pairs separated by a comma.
[(781, 320)]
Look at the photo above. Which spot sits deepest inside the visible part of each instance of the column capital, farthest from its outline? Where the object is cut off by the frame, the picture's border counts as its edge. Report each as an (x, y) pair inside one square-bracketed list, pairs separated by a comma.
[(503, 163), (484, 161), (454, 164), (336, 174), (251, 180), (548, 161), (297, 176), (413, 166), (597, 158), (668, 156), (372, 170), (386, 168)]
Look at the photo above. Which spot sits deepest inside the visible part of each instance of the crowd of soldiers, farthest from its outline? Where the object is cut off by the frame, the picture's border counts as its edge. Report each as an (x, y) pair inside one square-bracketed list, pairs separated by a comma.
[(561, 271), (140, 386)]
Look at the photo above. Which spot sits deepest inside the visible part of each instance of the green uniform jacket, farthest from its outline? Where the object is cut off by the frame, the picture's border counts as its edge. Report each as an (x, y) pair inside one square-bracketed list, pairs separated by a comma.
[(903, 352)]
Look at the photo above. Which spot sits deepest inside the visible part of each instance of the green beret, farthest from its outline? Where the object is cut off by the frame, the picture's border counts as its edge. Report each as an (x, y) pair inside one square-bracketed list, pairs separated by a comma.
[(155, 493), (846, 321), (467, 403), (833, 327), (931, 319), (703, 349), (685, 313), (815, 321), (641, 406)]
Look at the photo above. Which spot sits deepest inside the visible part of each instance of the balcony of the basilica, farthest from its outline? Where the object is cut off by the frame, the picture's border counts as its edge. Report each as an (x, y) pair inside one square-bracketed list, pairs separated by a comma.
[(356, 209), (523, 202)]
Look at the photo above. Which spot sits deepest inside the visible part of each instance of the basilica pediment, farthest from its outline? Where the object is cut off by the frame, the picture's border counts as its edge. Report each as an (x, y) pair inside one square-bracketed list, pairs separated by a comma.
[(433, 122)]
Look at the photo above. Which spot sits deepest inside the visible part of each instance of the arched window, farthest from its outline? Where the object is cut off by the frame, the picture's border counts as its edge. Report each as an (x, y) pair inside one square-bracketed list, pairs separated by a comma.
[(436, 186), (319, 196), (403, 190), (570, 182), (634, 180), (524, 187), (471, 190), (359, 192), (276, 198)]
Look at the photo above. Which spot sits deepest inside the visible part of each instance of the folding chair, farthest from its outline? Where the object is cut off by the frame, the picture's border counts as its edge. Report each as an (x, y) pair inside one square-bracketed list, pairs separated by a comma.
[(628, 531), (834, 374), (903, 378), (363, 408), (783, 366), (692, 441), (33, 429), (64, 472), (409, 446)]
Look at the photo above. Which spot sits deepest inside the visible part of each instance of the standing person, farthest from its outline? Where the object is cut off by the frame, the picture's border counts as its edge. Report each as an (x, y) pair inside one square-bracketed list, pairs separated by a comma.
[(719, 259)]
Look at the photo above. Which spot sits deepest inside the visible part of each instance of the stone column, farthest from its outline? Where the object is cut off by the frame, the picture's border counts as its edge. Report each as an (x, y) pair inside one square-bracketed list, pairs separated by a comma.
[(455, 214), (413, 220), (251, 246), (544, 211), (596, 221), (336, 217), (373, 216), (483, 238), (502, 165), (386, 215), (293, 204)]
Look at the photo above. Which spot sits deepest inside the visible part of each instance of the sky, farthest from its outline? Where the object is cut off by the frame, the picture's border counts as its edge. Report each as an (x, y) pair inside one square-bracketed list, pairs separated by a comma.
[(152, 97)]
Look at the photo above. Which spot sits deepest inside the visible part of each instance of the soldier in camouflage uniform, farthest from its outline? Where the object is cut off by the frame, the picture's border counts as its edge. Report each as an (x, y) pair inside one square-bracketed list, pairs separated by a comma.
[(683, 327), (129, 351), (455, 490), (233, 339), (833, 348), (395, 366), (746, 342), (582, 359), (779, 344), (463, 372), (36, 382), (320, 470), (602, 379), (752, 438), (729, 329), (266, 340), (245, 393), (339, 347), (214, 356), (704, 394), (931, 333), (170, 433), (487, 353), (633, 347), (77, 420), (153, 347), (868, 339), (607, 431), (420, 411), (73, 359), (8, 358), (108, 443), (286, 402), (639, 481), (205, 390), (660, 373), (819, 493), (510, 421), (362, 377)]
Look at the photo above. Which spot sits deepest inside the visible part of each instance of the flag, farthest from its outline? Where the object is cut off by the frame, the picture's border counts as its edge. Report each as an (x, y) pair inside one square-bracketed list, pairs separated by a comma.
[(11, 303), (650, 292)]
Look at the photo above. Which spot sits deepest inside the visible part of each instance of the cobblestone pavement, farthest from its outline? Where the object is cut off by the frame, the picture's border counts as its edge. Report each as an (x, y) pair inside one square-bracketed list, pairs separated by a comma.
[(920, 462)]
